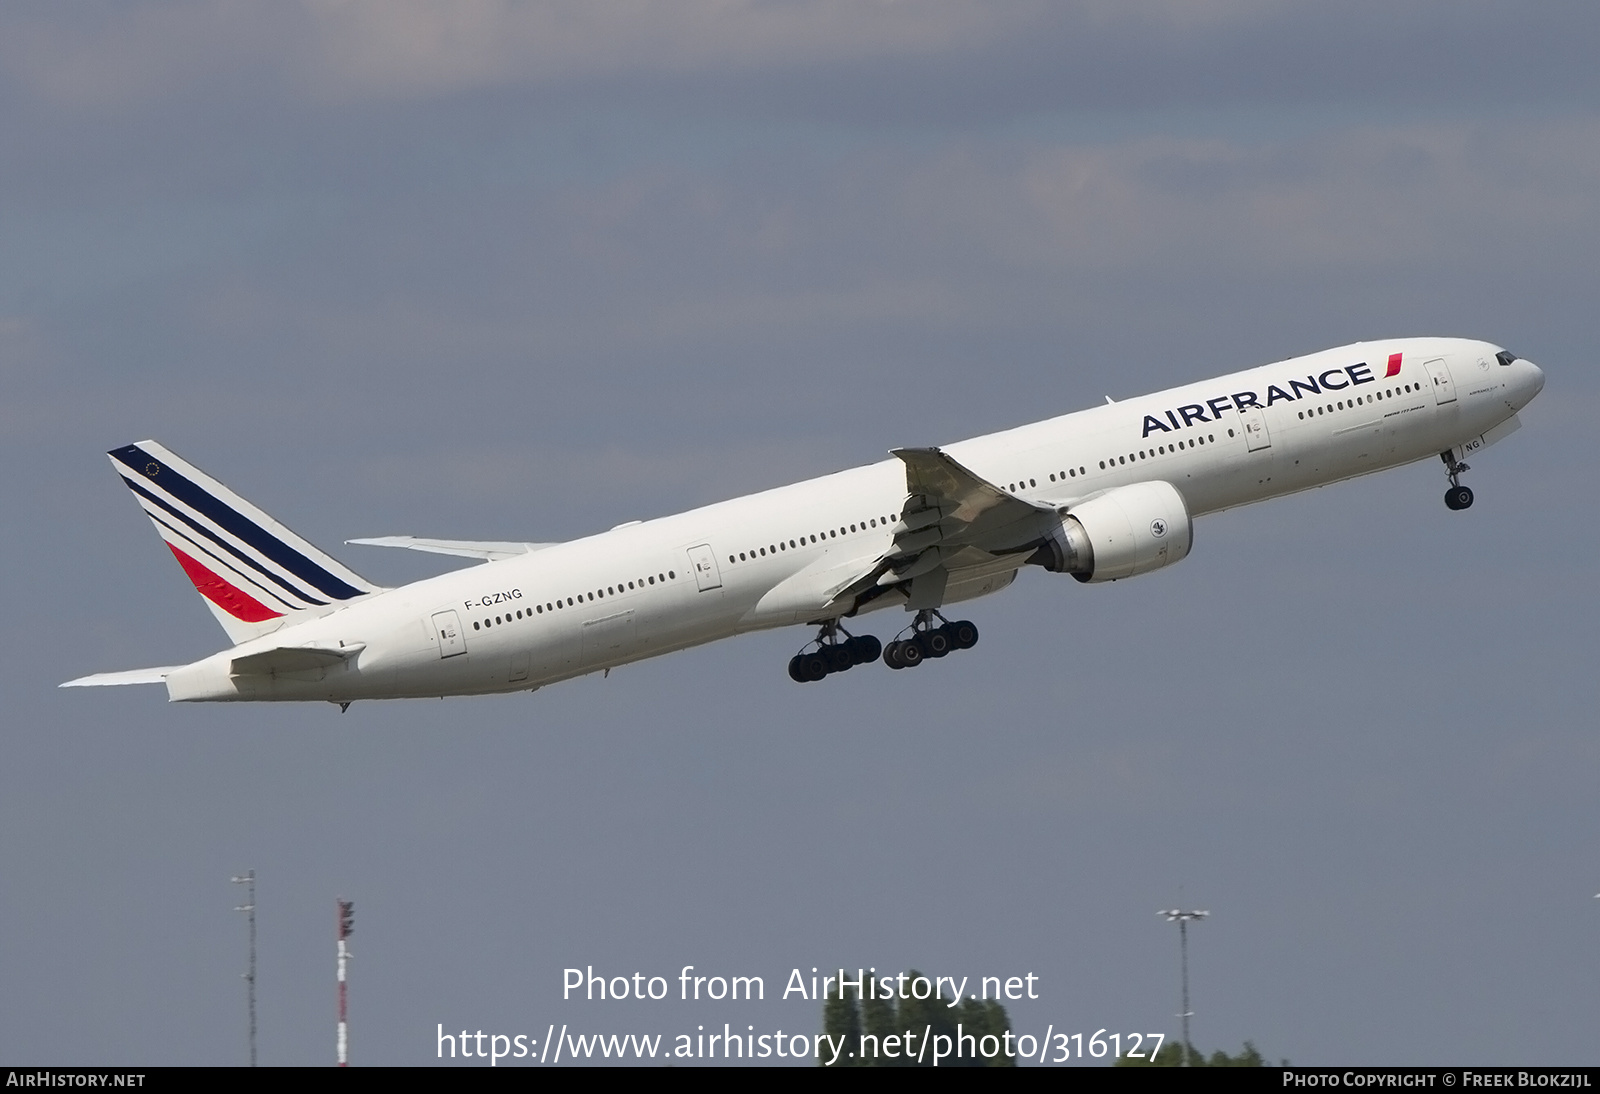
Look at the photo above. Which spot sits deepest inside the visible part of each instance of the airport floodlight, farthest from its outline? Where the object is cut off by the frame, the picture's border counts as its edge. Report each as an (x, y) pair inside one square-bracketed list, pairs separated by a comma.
[(1182, 919)]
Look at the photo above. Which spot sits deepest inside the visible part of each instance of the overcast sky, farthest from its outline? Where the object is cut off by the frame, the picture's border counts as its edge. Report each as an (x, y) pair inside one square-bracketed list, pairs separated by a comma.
[(525, 271)]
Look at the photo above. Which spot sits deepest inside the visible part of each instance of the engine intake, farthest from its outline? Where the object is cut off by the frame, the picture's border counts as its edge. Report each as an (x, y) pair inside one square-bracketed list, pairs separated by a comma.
[(1126, 531)]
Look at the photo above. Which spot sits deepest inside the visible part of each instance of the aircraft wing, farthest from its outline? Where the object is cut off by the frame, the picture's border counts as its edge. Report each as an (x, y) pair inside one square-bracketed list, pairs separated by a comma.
[(954, 523), (490, 550), (948, 505)]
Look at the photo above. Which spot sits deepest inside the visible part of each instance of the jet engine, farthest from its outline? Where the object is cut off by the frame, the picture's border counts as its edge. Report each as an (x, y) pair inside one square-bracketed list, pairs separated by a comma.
[(1126, 531)]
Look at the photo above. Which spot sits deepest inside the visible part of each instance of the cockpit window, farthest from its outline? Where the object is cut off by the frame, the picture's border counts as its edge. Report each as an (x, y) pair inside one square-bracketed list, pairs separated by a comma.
[(1505, 357)]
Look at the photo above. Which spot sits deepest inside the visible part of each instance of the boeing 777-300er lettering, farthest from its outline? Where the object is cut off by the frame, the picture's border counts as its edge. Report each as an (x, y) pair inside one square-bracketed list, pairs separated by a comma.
[(1100, 494)]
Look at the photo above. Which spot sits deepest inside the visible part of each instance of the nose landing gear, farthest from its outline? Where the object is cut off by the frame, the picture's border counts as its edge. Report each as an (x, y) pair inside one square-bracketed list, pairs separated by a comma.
[(832, 654), (1457, 497), (927, 641)]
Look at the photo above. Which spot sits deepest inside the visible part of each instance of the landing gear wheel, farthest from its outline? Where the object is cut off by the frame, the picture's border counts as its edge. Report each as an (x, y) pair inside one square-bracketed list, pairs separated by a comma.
[(963, 634), (911, 653), (865, 649), (891, 656), (834, 649), (936, 642), (1458, 497)]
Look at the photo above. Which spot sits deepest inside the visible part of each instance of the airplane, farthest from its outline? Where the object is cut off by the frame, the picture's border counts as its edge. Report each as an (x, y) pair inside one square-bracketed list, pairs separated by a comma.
[(1101, 494)]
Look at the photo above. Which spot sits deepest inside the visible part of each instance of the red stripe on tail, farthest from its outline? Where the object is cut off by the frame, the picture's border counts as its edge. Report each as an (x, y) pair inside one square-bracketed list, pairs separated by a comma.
[(1394, 366), (238, 604)]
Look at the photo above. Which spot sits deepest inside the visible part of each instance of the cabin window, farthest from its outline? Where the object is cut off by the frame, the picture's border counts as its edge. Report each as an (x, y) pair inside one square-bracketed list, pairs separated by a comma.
[(474, 624)]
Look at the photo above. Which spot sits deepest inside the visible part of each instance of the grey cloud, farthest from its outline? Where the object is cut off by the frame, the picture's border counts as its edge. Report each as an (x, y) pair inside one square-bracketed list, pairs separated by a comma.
[(933, 61)]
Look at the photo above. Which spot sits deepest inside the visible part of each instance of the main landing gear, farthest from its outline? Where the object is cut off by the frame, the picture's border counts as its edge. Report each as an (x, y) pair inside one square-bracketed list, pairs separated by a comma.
[(926, 640), (1458, 496), (833, 653)]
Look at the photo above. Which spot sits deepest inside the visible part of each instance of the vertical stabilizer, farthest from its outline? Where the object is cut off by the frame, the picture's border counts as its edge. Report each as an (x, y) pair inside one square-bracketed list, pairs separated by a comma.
[(255, 574)]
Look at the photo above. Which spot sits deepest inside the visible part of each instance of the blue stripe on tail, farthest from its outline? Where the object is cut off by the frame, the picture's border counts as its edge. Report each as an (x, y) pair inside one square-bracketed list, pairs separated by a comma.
[(233, 522)]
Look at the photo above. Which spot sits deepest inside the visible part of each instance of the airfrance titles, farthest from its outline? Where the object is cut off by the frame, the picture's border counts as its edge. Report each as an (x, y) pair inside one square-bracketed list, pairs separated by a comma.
[(1335, 379)]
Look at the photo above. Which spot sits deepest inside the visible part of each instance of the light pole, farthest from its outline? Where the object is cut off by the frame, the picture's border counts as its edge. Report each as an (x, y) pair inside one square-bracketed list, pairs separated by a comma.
[(1182, 918), (346, 925), (248, 878)]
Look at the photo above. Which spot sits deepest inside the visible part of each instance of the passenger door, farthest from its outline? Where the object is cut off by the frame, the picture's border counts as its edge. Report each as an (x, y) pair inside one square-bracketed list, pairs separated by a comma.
[(1444, 390), (704, 563), (1254, 422), (447, 630)]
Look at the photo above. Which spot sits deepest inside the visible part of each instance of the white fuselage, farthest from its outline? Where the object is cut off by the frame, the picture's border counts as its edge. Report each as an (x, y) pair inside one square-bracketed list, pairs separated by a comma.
[(645, 589)]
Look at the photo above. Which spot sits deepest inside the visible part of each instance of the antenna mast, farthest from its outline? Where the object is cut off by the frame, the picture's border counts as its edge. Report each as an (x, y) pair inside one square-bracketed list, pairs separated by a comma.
[(346, 925), (248, 878)]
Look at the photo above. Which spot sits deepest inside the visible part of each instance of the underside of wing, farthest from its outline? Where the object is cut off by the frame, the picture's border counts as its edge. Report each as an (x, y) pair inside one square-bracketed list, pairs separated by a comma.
[(490, 550), (955, 526)]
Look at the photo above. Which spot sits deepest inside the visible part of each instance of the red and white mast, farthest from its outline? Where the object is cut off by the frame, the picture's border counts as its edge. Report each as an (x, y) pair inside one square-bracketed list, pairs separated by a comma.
[(346, 924)]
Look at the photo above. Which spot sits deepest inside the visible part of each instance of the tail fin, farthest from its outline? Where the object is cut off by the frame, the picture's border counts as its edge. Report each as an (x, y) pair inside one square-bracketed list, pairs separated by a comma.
[(253, 572)]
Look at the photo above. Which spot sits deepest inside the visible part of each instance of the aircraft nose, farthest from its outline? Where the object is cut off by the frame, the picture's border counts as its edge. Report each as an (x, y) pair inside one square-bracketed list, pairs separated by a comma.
[(1536, 379)]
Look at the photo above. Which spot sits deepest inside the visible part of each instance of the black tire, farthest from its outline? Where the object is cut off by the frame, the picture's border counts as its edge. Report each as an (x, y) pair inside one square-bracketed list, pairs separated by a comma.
[(866, 648), (964, 634), (936, 642), (794, 670), (911, 652), (891, 656), (1459, 497), (814, 666), (839, 657)]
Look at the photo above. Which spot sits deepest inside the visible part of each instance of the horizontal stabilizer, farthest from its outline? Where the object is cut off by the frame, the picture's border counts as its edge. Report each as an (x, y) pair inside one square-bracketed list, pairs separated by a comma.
[(293, 659), (489, 550), (114, 679)]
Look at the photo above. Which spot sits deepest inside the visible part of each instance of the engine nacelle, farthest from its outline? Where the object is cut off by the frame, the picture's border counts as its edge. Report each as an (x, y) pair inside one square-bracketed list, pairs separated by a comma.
[(1125, 531)]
